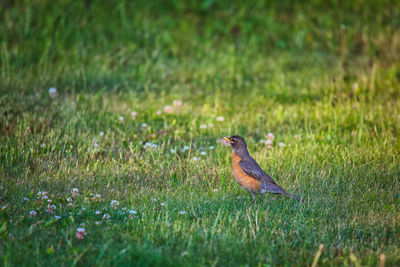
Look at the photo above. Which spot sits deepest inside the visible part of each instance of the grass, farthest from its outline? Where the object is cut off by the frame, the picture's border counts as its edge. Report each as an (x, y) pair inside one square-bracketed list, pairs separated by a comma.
[(323, 77)]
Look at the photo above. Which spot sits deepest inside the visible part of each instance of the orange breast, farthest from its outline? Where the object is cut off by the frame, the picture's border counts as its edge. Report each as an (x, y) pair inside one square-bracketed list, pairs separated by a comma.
[(244, 180)]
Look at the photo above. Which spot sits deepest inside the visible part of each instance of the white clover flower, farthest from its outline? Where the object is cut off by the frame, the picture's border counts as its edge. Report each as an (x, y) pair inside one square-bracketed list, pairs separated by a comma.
[(177, 104), (215, 190), (211, 147), (195, 158), (97, 212), (268, 142), (106, 216), (154, 199), (75, 192), (134, 212), (163, 204), (114, 204), (133, 114), (49, 201), (186, 148), (96, 197), (203, 126), (168, 109), (51, 208), (182, 212), (281, 144), (121, 119), (158, 112), (80, 233), (96, 146), (101, 133), (32, 213), (42, 195), (211, 126), (203, 153), (144, 125), (220, 118), (55, 217), (270, 136), (172, 150), (53, 92), (97, 222)]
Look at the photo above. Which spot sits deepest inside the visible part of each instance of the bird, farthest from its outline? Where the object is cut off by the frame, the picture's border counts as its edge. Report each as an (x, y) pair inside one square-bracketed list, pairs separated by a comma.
[(248, 174)]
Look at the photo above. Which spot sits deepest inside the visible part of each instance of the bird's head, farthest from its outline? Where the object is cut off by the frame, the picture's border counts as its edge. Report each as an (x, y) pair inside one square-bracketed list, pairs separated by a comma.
[(237, 143)]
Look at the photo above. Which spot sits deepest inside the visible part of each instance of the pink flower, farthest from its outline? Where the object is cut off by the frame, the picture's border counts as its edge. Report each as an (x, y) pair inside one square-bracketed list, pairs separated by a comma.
[(32, 213), (270, 136), (177, 104), (80, 233), (220, 118), (75, 192), (168, 109), (281, 144), (133, 114)]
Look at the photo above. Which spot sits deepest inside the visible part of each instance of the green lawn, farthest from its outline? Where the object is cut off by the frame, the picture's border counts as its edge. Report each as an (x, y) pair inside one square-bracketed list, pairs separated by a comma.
[(322, 76)]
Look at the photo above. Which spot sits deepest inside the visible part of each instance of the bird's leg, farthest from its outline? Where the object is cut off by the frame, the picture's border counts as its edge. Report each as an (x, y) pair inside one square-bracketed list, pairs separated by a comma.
[(255, 195)]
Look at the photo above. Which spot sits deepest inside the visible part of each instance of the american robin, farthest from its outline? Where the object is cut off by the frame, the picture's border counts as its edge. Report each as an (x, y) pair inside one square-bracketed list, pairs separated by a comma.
[(248, 173)]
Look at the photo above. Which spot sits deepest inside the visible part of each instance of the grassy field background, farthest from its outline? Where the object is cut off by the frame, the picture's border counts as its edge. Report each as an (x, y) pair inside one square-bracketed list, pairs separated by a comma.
[(322, 76)]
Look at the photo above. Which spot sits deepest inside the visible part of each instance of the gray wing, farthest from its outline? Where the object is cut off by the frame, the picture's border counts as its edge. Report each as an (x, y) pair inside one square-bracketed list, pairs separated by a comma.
[(250, 167)]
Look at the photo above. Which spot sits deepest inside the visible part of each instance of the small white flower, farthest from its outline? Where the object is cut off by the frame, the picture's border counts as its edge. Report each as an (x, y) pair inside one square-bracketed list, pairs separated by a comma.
[(168, 109), (177, 104), (133, 114), (163, 204), (49, 201), (101, 133), (121, 118), (121, 212), (26, 199), (106, 216), (56, 217), (211, 147), (215, 190), (114, 204), (220, 118), (158, 112), (186, 148), (182, 212), (132, 212), (195, 158), (51, 208), (355, 86), (96, 197), (75, 192), (297, 137), (203, 126), (281, 144), (97, 212), (42, 145), (211, 126), (97, 222), (124, 208), (268, 142), (172, 150), (42, 195), (270, 136), (53, 92), (32, 213), (144, 125), (203, 153), (154, 145), (154, 199), (96, 146)]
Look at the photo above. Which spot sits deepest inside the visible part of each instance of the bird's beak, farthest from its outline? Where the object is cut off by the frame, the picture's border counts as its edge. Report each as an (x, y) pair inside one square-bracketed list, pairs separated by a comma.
[(227, 139)]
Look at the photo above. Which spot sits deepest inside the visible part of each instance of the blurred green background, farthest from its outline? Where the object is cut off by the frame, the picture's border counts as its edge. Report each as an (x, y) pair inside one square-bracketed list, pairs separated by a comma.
[(322, 76)]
